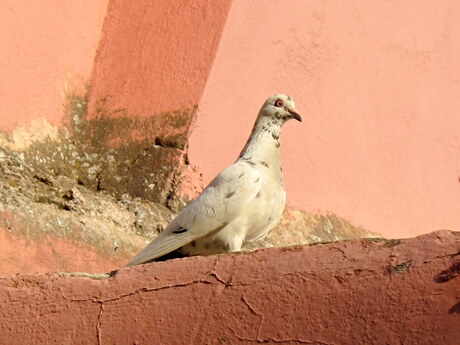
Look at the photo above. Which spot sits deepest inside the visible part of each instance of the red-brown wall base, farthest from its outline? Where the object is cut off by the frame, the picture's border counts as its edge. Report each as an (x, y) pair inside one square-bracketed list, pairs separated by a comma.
[(351, 292)]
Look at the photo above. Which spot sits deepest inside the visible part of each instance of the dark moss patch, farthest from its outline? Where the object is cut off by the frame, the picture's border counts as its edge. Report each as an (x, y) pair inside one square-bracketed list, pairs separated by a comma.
[(387, 243), (116, 152), (448, 274), (401, 268)]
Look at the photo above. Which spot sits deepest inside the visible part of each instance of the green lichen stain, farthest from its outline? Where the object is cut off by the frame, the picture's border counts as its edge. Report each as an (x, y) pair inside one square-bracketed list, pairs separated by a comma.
[(401, 268), (116, 152), (392, 243), (386, 243)]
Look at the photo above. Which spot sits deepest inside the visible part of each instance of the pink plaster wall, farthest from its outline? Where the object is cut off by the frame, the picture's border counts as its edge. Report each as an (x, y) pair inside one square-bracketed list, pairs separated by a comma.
[(43, 46), (378, 85)]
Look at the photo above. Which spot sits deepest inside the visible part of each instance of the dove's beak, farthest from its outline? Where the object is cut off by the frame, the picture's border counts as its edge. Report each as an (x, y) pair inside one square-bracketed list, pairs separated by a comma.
[(295, 115)]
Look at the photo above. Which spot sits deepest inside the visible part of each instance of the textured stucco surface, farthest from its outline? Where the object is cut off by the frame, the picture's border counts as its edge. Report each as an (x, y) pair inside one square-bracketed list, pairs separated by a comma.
[(377, 84), (353, 292)]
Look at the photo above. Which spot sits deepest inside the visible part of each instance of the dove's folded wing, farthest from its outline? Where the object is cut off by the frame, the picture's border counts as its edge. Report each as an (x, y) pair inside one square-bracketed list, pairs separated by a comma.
[(225, 198)]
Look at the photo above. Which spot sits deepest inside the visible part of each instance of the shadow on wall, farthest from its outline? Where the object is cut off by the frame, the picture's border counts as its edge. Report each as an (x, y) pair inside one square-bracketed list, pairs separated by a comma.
[(447, 275)]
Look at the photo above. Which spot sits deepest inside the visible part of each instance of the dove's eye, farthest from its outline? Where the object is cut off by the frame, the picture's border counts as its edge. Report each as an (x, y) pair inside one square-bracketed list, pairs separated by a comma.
[(278, 103)]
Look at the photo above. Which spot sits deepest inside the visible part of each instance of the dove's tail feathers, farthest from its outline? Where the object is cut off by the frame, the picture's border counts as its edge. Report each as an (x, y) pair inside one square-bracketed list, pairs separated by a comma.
[(163, 244)]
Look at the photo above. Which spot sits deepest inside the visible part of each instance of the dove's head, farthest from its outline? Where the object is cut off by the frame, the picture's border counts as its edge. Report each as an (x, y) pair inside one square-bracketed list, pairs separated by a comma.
[(280, 108)]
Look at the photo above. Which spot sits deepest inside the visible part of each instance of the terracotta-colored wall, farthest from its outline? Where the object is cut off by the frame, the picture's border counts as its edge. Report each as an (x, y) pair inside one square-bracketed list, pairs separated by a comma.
[(354, 292), (156, 56), (377, 83), (44, 45)]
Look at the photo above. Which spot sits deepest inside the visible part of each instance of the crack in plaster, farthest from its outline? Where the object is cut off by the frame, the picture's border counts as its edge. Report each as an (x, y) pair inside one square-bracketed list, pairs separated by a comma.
[(278, 341), (143, 289), (213, 273), (196, 333), (204, 280), (255, 312), (450, 255), (98, 325)]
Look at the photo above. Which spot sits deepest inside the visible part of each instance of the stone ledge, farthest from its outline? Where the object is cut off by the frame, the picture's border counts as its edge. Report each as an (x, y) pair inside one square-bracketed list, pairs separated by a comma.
[(350, 292)]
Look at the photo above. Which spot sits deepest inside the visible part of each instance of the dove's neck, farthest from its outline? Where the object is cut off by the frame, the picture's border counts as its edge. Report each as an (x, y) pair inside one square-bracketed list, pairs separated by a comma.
[(263, 146)]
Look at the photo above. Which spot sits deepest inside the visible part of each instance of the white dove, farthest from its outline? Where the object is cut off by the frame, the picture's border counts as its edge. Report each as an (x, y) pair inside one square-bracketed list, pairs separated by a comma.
[(242, 204)]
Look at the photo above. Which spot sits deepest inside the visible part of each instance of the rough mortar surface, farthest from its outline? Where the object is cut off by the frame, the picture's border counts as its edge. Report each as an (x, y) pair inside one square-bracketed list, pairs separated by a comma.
[(49, 221)]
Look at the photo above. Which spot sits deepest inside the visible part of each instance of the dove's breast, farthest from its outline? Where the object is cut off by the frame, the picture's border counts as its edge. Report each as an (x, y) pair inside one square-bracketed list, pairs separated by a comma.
[(255, 222), (266, 209)]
